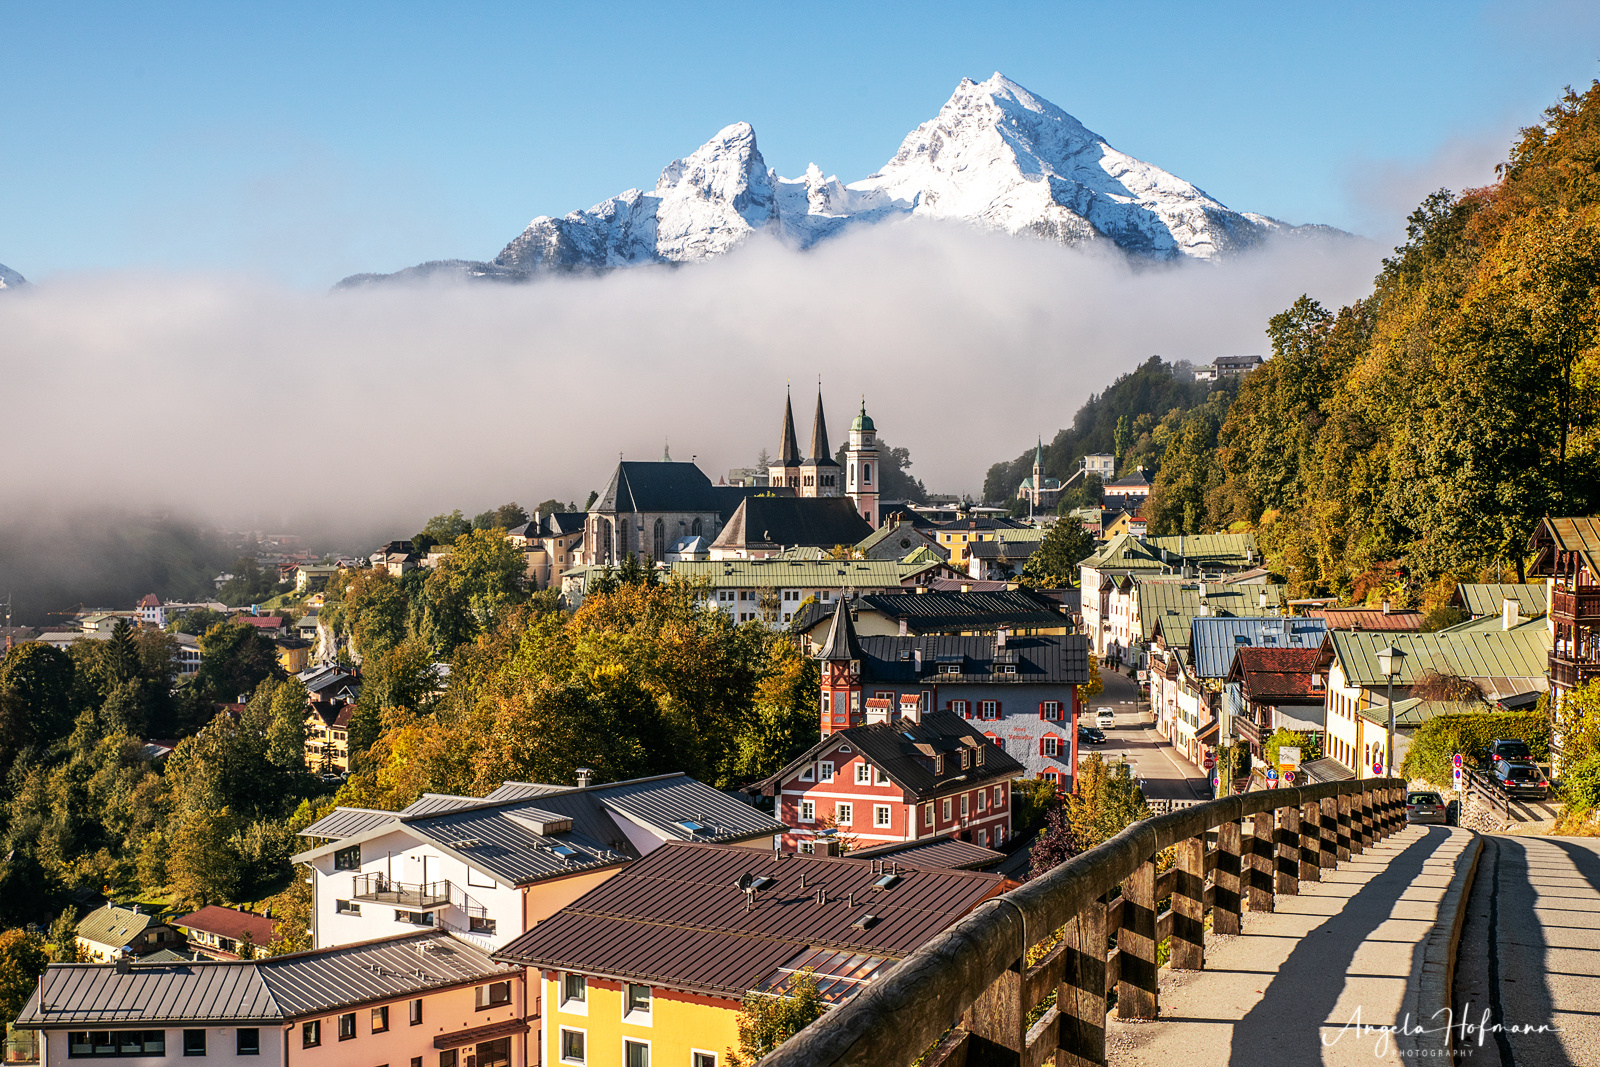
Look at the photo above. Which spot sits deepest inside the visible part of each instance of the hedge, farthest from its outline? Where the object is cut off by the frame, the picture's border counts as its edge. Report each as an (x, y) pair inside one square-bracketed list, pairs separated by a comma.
[(1440, 738)]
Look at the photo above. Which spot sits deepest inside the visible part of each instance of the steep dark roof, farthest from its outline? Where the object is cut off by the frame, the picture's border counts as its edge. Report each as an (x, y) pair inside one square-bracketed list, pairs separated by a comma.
[(842, 643), (1045, 659), (904, 749), (788, 447), (638, 486), (935, 612), (559, 523), (812, 522), (677, 917), (820, 456), (1270, 675)]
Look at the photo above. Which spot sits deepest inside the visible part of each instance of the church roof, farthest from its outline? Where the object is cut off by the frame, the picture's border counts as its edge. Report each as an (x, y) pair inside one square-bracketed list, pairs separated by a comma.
[(820, 456), (818, 522), (863, 421), (842, 643), (788, 447), (653, 487)]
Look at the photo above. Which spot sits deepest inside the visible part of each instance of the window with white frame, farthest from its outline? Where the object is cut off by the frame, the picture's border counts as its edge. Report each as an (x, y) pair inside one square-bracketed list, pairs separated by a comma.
[(842, 813), (635, 1053), (808, 811), (863, 774), (1047, 746), (702, 1058), (946, 809), (927, 815), (983, 799), (572, 1046), (960, 707), (963, 805), (883, 776), (880, 815), (1052, 710), (990, 709), (808, 773), (574, 994), (636, 1003), (827, 701), (825, 771)]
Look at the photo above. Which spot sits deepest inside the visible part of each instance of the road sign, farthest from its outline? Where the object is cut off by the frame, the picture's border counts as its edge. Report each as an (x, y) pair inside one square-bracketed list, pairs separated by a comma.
[(1455, 761), (1272, 775), (1210, 762), (1289, 754), (1215, 781), (1289, 778), (1377, 768)]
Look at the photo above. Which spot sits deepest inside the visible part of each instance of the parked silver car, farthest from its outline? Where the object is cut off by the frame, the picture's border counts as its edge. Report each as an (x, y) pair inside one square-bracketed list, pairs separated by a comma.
[(1423, 806)]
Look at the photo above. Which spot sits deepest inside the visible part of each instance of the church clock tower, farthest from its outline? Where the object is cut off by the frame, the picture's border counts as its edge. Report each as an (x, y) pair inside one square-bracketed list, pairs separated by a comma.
[(840, 660), (861, 466)]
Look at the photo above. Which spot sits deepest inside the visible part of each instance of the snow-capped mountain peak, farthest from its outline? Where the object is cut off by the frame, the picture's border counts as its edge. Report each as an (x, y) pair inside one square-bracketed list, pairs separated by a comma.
[(996, 156), (10, 279)]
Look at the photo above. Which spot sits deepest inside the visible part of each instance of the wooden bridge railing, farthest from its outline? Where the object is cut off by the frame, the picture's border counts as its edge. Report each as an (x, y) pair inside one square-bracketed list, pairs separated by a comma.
[(975, 991)]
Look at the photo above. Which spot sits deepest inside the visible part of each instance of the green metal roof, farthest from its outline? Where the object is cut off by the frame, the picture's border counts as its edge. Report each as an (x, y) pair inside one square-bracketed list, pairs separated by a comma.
[(1485, 599), (1519, 653), (114, 926), (1491, 624), (1204, 548), (1124, 552), (802, 573), (1175, 605), (1416, 711)]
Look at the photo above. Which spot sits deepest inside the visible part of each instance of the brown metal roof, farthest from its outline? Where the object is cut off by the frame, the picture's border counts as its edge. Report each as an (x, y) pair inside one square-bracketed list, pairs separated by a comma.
[(677, 918), (1373, 619)]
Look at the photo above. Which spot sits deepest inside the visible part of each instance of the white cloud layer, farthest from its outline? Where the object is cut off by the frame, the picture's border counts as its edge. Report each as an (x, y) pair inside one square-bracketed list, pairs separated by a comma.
[(250, 403)]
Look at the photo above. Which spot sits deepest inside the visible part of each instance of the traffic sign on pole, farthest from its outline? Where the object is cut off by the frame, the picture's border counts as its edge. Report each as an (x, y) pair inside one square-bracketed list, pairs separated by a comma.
[(1289, 778), (1377, 768), (1455, 761), (1272, 774)]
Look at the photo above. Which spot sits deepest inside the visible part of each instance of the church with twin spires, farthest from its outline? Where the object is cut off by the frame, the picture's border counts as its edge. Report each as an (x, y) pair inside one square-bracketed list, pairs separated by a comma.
[(819, 474)]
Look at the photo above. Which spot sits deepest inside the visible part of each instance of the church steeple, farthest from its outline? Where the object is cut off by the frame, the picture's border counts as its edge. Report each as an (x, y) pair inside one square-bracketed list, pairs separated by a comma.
[(819, 433), (789, 447)]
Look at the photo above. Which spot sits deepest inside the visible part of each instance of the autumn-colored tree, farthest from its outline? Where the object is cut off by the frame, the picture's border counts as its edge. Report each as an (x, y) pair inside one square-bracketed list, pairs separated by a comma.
[(473, 587), (768, 1019), (22, 960), (1105, 802)]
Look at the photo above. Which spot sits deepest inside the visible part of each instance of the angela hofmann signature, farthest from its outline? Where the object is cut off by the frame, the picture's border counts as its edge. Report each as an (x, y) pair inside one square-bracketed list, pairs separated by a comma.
[(1466, 1030)]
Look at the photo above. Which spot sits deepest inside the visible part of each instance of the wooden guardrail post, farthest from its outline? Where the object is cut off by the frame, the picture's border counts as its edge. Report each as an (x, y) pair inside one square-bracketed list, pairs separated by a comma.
[(1346, 847), (1225, 904), (997, 1023), (1328, 833), (1369, 818), (1358, 827), (1136, 944), (1289, 850), (1261, 849), (1311, 842), (1081, 997), (1397, 809), (1381, 808), (1188, 943)]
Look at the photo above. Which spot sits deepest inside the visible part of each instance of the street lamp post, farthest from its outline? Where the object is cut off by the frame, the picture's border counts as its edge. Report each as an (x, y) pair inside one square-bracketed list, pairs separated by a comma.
[(1389, 661)]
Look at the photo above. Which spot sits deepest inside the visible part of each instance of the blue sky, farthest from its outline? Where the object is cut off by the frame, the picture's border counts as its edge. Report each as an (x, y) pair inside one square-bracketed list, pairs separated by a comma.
[(305, 141)]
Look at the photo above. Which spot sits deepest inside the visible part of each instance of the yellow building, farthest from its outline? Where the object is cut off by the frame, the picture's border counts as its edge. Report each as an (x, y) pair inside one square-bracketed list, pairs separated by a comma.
[(651, 966), (294, 654)]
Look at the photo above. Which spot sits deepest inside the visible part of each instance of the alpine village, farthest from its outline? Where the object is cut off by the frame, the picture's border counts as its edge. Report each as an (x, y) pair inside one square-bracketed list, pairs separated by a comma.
[(678, 775)]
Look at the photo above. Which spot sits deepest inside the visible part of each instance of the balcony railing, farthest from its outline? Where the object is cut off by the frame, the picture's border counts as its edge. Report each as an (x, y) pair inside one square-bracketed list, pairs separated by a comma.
[(378, 888), (1581, 603), (1567, 673), (972, 988)]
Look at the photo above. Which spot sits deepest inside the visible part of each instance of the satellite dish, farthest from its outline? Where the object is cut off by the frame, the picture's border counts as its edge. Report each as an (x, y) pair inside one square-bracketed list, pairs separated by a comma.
[(746, 880)]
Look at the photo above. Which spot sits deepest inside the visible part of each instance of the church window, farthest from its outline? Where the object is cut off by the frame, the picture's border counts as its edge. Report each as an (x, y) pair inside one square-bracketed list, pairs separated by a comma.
[(866, 473), (695, 529), (660, 541)]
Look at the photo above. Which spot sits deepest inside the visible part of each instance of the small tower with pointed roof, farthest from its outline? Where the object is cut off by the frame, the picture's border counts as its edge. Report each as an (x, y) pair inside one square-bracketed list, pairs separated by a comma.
[(785, 470), (819, 473), (861, 466), (840, 660)]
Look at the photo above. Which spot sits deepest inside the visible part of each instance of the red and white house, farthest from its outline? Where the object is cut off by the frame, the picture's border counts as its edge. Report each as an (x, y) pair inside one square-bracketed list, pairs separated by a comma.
[(1021, 693)]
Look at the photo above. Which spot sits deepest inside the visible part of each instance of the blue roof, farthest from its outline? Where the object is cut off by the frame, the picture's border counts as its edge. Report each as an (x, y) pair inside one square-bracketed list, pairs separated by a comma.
[(1213, 639)]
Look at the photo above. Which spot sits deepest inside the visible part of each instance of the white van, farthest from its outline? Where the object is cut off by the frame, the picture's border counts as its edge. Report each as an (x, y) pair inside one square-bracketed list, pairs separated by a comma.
[(1105, 718)]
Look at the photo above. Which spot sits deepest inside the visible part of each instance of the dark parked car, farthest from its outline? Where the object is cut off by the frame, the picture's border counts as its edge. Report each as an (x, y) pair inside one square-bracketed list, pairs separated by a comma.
[(1509, 748), (1426, 807), (1520, 778), (1091, 736)]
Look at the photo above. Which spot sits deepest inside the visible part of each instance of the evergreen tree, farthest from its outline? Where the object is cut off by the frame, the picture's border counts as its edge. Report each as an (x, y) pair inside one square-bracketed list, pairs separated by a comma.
[(1054, 564)]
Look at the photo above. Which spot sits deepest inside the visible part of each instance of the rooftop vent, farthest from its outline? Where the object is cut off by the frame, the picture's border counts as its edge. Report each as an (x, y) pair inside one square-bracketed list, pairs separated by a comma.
[(761, 882), (689, 826), (864, 922), (564, 851), (886, 881)]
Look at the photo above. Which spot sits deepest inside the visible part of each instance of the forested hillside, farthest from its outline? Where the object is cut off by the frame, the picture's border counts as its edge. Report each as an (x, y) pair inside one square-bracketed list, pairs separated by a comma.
[(1133, 419), (1417, 436)]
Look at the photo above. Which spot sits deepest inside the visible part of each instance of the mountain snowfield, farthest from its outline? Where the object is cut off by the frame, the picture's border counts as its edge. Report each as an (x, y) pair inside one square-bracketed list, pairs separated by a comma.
[(10, 279), (996, 156)]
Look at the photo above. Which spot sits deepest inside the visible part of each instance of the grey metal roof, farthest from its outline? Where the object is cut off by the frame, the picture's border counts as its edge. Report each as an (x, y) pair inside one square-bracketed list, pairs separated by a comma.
[(904, 750), (1213, 640), (518, 790), (657, 487), (1485, 598), (493, 840), (663, 805), (347, 822), (936, 611), (428, 803), (114, 926), (266, 990), (1040, 659)]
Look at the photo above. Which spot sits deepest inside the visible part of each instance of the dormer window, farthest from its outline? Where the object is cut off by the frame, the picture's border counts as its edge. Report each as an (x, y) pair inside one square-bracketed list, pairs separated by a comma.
[(938, 765)]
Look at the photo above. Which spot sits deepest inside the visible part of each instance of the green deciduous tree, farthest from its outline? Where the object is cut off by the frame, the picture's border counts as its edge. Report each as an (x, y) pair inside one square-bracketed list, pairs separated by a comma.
[(767, 1020), (1054, 564), (234, 659)]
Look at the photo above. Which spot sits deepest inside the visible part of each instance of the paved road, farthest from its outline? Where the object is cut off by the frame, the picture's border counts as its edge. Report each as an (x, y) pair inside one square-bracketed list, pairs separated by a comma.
[(1292, 988), (1530, 952), (1166, 774)]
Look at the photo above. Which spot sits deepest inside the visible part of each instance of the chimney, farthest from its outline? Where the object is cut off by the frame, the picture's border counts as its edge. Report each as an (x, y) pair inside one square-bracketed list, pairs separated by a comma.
[(877, 715), (1510, 613), (902, 627), (1386, 607), (123, 965), (965, 588), (916, 659), (1262, 597), (585, 777), (1000, 639)]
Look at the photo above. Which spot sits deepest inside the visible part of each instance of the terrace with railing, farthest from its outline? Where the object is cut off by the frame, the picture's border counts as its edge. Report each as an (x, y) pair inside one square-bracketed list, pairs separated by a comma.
[(1029, 977), (377, 887)]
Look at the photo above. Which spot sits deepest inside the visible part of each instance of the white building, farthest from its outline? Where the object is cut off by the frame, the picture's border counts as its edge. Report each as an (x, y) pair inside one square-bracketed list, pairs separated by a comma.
[(486, 869)]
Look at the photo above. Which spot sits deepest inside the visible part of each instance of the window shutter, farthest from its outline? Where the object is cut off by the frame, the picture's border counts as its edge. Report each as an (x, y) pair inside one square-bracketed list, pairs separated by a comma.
[(1041, 709), (1041, 746)]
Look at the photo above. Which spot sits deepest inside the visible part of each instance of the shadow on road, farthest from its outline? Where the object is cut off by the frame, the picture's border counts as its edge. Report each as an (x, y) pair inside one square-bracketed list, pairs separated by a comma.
[(1286, 1025)]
